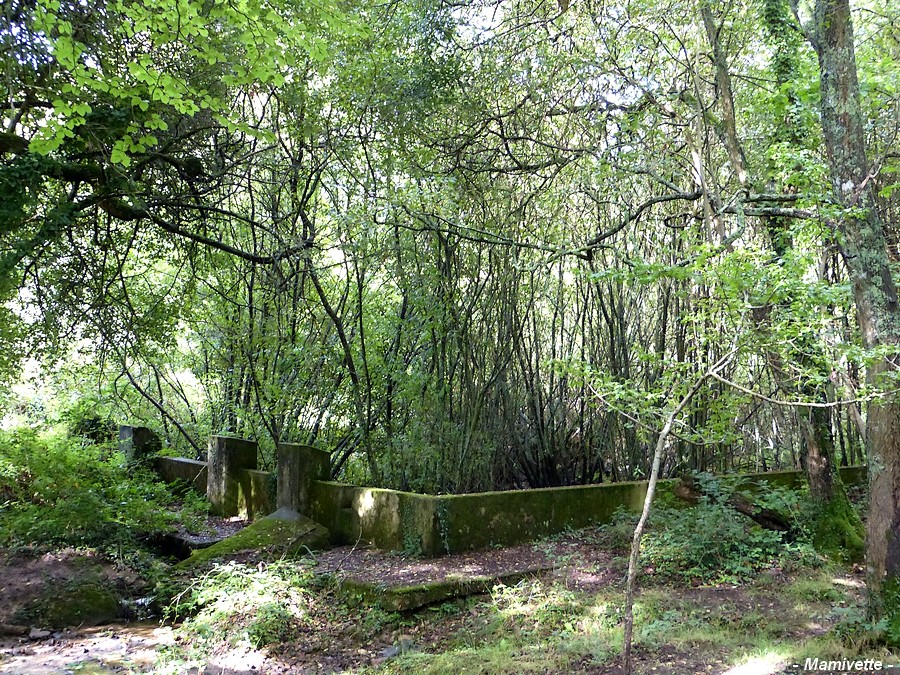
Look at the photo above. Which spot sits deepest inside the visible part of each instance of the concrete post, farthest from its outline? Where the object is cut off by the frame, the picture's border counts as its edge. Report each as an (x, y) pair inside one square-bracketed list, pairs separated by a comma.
[(138, 444), (226, 479), (298, 467)]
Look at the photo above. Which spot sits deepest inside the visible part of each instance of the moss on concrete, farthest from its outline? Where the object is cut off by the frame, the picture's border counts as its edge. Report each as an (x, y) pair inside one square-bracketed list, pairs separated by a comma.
[(77, 603), (406, 598), (434, 525), (173, 469), (507, 518), (328, 502), (281, 533), (256, 493), (389, 519)]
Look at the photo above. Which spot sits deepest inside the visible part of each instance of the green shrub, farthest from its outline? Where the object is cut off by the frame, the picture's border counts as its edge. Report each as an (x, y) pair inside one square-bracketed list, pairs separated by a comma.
[(711, 542), (270, 625), (55, 490)]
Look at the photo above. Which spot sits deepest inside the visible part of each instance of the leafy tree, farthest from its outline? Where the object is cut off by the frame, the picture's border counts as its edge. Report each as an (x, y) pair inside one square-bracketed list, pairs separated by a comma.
[(463, 247), (863, 244)]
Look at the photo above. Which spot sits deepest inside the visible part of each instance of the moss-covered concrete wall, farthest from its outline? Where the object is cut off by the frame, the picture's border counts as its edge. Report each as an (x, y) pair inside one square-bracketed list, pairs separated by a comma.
[(851, 475), (256, 489), (172, 469), (468, 522), (256, 494), (388, 519), (433, 525)]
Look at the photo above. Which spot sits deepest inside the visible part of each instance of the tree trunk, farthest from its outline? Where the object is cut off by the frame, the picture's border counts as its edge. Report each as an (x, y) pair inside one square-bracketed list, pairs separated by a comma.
[(838, 529), (864, 248)]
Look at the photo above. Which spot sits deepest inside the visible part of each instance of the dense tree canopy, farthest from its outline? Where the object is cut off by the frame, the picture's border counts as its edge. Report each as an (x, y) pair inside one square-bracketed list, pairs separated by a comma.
[(465, 245)]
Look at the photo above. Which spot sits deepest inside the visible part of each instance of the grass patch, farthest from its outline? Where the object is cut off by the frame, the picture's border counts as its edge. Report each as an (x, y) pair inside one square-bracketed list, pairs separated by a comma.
[(502, 657), (234, 605), (818, 588)]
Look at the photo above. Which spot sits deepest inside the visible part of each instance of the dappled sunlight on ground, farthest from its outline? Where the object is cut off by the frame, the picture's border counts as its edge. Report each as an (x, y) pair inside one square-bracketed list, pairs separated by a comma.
[(106, 649), (768, 664)]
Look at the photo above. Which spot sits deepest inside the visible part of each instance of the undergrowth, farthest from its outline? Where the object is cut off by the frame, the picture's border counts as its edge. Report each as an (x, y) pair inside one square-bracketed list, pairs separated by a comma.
[(57, 490), (236, 605), (711, 543), (789, 606)]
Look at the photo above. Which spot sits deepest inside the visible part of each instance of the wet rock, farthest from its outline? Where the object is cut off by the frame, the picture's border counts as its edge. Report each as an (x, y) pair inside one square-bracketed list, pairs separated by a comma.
[(12, 629), (78, 603)]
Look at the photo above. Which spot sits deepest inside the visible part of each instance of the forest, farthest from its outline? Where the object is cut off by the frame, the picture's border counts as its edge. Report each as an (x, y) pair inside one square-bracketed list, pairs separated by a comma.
[(466, 245)]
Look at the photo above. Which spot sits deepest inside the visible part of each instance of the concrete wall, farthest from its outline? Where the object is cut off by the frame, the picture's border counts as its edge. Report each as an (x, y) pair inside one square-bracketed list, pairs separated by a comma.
[(388, 519), (436, 524), (433, 525), (191, 471), (257, 499), (256, 496)]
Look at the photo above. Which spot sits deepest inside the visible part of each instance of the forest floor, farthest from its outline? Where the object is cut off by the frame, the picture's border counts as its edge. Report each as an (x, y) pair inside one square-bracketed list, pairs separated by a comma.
[(564, 618)]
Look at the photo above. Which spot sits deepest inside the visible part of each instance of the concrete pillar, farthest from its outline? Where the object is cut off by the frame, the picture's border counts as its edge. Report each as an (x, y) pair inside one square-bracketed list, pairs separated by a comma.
[(226, 480), (298, 467), (138, 444)]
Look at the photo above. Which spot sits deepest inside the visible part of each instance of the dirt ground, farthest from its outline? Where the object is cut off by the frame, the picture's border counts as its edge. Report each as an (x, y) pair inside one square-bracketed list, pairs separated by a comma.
[(334, 640), (579, 564)]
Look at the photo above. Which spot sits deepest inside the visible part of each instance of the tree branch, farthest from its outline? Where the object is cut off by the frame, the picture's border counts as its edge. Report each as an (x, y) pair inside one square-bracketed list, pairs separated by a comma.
[(648, 500)]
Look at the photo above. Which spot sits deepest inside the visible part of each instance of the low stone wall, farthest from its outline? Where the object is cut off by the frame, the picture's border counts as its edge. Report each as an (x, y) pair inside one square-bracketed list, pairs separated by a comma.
[(434, 525), (191, 471), (426, 524)]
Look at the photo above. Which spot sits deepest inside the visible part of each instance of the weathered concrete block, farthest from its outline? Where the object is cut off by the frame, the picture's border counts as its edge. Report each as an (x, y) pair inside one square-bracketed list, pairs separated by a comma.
[(138, 444), (260, 500), (298, 467), (278, 534), (227, 478), (191, 471)]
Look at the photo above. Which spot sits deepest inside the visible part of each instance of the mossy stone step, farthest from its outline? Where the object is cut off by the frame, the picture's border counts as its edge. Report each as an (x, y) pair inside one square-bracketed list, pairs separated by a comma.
[(403, 598), (284, 532)]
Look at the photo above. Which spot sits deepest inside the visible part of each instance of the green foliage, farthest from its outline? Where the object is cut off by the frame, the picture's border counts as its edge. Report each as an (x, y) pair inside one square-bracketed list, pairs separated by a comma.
[(815, 590), (856, 629), (56, 491), (271, 624), (275, 221), (235, 604), (711, 543)]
